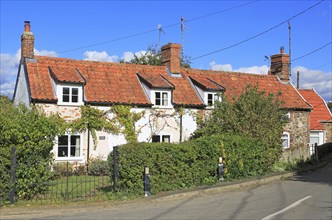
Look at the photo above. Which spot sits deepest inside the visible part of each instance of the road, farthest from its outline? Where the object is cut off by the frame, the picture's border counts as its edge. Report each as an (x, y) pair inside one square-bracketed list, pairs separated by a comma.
[(306, 196)]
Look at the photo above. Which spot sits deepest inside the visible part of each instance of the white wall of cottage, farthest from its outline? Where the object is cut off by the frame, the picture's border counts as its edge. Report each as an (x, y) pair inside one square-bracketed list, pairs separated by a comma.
[(22, 93), (154, 122)]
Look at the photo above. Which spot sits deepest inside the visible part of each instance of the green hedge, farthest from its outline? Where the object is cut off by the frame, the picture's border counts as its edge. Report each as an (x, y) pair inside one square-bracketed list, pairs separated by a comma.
[(188, 164)]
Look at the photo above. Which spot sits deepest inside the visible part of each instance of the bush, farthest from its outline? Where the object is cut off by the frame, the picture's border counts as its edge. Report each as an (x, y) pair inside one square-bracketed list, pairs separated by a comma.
[(172, 166), (98, 167), (188, 164)]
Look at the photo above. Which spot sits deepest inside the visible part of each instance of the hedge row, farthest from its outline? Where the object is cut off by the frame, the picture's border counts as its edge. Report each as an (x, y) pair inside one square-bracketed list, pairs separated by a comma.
[(188, 164)]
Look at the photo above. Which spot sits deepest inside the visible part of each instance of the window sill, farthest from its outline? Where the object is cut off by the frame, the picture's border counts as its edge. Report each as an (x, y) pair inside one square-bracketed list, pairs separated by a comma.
[(60, 159)]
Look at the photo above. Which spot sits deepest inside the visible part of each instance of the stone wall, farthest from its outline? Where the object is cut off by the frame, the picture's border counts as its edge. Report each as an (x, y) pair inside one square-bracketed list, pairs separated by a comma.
[(328, 128), (298, 127)]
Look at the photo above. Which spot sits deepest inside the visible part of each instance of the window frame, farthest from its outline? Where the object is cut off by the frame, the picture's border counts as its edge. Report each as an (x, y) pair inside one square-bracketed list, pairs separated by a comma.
[(70, 95), (285, 137), (161, 138), (215, 96), (69, 147), (162, 100)]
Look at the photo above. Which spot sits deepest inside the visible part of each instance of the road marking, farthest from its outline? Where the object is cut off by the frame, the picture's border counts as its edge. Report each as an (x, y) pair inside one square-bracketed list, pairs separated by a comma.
[(287, 208)]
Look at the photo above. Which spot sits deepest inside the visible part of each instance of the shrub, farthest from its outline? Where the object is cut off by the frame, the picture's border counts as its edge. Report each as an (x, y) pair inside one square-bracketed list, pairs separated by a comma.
[(188, 164), (98, 167)]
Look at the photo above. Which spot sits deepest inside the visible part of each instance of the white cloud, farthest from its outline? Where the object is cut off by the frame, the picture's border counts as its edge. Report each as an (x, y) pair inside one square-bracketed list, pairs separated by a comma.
[(44, 53), (9, 67), (100, 56), (253, 69), (220, 67), (319, 80)]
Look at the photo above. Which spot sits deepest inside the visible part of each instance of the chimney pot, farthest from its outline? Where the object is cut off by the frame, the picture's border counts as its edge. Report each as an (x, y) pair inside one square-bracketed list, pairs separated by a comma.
[(282, 50), (26, 26)]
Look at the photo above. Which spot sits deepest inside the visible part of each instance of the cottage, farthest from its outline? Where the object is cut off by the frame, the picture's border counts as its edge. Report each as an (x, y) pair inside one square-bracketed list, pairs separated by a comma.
[(60, 85), (320, 118)]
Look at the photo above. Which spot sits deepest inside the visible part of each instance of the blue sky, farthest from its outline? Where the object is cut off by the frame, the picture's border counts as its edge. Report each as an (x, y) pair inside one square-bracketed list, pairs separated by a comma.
[(112, 30)]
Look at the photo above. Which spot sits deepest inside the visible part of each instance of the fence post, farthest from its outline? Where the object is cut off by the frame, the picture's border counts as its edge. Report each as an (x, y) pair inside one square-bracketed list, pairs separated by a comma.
[(316, 152), (147, 186), (115, 167), (67, 181), (13, 175)]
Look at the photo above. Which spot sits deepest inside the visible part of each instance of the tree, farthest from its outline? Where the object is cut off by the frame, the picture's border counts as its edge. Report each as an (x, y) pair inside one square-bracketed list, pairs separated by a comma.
[(152, 56), (254, 114), (32, 132)]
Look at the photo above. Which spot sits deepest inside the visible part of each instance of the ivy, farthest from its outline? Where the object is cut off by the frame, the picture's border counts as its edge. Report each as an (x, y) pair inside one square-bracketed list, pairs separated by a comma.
[(94, 120), (127, 119)]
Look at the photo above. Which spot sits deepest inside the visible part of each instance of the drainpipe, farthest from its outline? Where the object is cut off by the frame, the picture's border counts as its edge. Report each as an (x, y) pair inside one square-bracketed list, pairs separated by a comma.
[(88, 153)]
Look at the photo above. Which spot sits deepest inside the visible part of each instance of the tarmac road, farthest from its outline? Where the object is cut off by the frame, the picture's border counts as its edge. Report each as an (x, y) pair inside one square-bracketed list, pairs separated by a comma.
[(305, 196)]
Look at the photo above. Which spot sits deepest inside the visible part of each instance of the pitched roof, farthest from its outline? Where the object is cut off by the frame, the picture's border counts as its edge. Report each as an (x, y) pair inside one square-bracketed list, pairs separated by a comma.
[(119, 83), (320, 111)]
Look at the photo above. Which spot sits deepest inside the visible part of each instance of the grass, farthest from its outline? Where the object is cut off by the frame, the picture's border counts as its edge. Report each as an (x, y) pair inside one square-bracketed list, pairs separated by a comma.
[(76, 188)]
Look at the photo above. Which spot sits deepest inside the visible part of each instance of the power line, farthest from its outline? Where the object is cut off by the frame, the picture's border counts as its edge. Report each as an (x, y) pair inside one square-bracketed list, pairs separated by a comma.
[(153, 30), (312, 52), (257, 35)]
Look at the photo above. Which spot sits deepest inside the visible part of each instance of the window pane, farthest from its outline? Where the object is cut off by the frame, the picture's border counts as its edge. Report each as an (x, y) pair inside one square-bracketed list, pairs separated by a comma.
[(75, 146), (167, 138), (63, 146), (210, 99), (74, 91), (74, 95), (65, 90), (165, 99), (65, 94), (158, 99), (155, 138)]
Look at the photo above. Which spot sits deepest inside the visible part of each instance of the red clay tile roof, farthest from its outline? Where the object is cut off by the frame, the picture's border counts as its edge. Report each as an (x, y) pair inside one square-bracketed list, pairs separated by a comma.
[(320, 111), (206, 84), (234, 83), (119, 83), (155, 81)]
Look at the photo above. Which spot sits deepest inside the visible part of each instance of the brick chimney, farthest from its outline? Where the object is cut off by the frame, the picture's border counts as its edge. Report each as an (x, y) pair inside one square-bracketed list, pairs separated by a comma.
[(170, 57), (27, 42), (280, 65)]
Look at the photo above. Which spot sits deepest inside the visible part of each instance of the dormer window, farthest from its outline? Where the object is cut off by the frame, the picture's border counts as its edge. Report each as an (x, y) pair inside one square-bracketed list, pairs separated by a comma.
[(161, 98), (70, 94), (211, 98)]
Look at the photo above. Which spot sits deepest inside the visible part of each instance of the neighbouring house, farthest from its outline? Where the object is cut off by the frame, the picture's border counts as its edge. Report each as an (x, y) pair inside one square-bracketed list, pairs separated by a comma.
[(60, 85), (320, 117)]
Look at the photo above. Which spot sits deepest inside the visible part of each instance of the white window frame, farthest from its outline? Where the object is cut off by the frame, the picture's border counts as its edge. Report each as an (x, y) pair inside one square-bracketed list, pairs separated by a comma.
[(215, 96), (161, 138), (162, 100), (285, 137), (71, 158), (71, 87)]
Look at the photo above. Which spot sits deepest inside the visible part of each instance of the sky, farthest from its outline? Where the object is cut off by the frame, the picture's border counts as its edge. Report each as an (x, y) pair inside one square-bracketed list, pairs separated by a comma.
[(218, 35)]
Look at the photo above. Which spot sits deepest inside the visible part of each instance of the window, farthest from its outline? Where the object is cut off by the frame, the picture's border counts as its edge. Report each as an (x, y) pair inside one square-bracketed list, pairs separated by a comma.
[(211, 98), (161, 98), (285, 139), (161, 138), (69, 146), (70, 94)]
